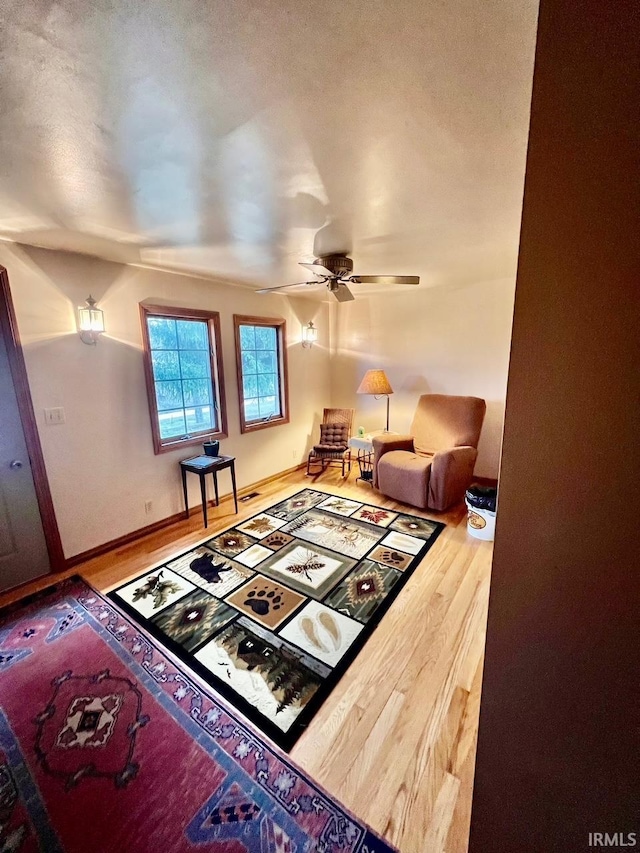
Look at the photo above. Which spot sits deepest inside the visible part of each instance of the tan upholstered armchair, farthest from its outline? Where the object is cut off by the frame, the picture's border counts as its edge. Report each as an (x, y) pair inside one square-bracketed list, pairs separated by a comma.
[(432, 467)]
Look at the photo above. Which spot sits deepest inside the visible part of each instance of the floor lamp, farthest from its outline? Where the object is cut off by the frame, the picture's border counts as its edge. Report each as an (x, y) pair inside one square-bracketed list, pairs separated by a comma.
[(375, 382)]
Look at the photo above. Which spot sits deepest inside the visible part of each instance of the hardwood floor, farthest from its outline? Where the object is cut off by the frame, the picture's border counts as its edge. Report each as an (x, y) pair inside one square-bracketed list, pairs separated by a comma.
[(395, 741)]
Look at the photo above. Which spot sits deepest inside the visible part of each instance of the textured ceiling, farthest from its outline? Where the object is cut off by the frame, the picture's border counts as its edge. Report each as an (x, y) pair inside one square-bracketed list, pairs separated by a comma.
[(234, 139)]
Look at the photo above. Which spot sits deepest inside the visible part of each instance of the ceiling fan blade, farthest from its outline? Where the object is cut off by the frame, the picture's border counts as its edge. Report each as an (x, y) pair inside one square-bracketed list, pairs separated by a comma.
[(385, 279), (316, 269), (342, 293), (283, 286)]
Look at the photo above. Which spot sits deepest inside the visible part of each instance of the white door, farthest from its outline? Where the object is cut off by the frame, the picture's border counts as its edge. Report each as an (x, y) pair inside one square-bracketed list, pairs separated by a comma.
[(23, 549)]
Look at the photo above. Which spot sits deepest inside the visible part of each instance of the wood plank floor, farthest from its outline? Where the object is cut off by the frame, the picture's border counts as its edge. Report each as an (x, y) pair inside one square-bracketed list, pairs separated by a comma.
[(395, 741)]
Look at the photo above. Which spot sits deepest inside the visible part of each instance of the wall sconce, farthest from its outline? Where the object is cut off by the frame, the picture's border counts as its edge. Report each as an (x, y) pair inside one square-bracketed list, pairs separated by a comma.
[(309, 335), (90, 322)]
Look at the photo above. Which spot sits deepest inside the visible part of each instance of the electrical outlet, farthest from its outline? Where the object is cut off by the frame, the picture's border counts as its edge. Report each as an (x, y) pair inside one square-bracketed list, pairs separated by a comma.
[(294, 454), (148, 506), (54, 416)]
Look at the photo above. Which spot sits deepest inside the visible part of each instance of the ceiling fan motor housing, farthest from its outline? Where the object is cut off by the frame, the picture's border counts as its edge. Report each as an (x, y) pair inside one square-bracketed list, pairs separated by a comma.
[(339, 265)]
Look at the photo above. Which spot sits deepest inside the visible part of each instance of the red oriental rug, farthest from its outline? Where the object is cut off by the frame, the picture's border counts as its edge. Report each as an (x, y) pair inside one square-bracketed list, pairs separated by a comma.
[(106, 745)]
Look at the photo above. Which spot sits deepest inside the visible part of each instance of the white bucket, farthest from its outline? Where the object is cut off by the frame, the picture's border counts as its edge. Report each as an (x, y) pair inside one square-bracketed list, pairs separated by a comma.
[(481, 523)]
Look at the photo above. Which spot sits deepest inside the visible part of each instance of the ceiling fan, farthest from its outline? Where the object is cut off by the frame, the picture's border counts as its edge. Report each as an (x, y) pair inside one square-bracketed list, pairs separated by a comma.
[(336, 272)]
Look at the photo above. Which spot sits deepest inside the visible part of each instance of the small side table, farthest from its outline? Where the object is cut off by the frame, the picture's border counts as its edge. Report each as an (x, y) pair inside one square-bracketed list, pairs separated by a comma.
[(203, 465), (364, 445)]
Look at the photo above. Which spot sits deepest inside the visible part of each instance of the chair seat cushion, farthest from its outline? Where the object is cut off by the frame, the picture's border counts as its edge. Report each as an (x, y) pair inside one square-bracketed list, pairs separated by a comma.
[(329, 448), (404, 476)]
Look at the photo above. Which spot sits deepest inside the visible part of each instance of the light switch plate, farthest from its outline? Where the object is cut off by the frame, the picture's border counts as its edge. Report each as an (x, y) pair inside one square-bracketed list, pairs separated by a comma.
[(54, 416)]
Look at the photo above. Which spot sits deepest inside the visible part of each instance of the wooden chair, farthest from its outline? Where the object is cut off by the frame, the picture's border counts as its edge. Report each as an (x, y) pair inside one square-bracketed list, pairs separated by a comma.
[(333, 449)]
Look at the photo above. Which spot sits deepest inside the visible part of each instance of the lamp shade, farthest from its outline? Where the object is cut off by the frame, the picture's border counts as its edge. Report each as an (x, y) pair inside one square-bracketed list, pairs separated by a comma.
[(375, 382)]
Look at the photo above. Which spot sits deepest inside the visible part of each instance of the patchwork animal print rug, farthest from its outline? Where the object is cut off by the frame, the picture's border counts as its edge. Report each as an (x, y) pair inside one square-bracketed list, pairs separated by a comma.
[(273, 611)]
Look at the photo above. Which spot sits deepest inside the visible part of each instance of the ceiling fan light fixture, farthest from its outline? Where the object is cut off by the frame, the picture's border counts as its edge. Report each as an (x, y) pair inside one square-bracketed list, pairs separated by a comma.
[(336, 272)]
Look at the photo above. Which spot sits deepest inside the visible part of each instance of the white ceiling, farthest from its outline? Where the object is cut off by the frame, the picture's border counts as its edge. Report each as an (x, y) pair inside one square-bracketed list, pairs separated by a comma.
[(234, 139)]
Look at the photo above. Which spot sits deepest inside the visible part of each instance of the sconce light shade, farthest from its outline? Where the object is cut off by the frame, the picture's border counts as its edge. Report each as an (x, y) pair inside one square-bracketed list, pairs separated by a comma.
[(309, 335), (90, 322)]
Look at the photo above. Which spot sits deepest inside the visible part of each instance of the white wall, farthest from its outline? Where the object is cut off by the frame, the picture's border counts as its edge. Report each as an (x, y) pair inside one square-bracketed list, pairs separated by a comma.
[(439, 340), (100, 463)]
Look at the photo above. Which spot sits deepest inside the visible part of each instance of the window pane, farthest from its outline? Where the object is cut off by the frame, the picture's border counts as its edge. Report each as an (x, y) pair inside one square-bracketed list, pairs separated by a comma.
[(171, 424), (169, 395), (181, 375), (266, 384), (250, 386), (265, 337), (162, 333), (195, 364), (201, 418), (249, 363), (268, 406), (261, 362), (165, 364), (197, 392), (251, 410), (247, 337), (266, 362), (192, 334)]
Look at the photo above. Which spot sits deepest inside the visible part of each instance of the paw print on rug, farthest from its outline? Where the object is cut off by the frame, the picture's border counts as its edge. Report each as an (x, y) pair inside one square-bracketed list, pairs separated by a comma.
[(394, 558), (276, 541), (261, 601)]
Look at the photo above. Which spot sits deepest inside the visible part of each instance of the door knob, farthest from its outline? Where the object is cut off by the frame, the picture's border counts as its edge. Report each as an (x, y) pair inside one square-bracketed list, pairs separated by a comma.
[(15, 464)]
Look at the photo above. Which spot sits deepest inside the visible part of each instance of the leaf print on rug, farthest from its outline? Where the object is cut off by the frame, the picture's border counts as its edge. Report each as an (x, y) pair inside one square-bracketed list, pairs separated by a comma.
[(153, 591), (341, 506), (375, 515), (261, 525), (322, 632)]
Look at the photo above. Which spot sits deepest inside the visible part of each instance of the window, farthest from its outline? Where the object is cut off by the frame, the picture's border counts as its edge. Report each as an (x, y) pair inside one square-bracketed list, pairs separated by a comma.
[(183, 369), (261, 358)]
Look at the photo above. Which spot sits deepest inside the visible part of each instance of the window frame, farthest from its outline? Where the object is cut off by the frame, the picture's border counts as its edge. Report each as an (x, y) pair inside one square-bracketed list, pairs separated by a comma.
[(212, 318), (280, 327)]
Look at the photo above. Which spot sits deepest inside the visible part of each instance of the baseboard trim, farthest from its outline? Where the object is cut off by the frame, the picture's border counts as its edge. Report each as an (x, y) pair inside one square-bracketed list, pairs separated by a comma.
[(128, 538)]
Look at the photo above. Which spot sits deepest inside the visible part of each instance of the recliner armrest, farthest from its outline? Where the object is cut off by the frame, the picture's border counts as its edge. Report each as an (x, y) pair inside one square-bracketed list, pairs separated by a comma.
[(451, 475), (391, 441), (385, 442)]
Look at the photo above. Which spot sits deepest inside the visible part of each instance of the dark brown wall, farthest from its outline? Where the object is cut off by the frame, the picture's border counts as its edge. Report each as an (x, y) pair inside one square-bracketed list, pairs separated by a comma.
[(559, 751)]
